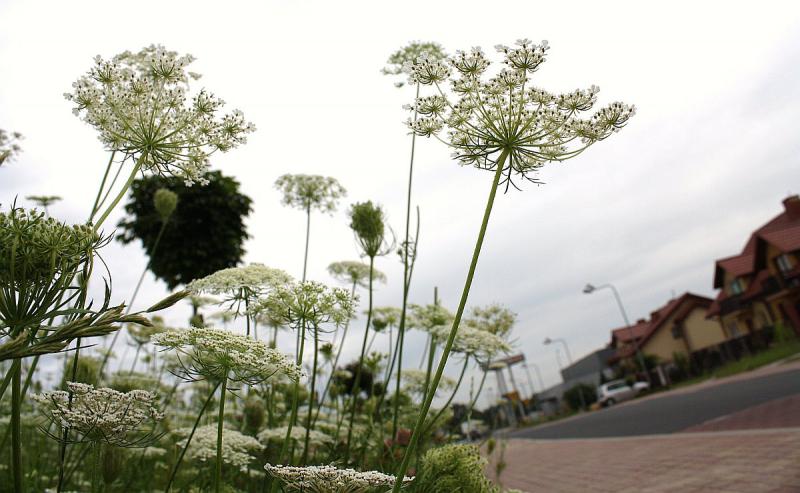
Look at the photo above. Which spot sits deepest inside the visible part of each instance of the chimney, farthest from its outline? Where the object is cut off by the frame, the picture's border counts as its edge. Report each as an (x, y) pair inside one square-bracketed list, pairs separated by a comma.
[(791, 205), (640, 321)]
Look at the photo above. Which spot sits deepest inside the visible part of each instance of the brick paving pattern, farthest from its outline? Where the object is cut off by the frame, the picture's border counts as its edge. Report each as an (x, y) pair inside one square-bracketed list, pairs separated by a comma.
[(751, 461), (780, 413)]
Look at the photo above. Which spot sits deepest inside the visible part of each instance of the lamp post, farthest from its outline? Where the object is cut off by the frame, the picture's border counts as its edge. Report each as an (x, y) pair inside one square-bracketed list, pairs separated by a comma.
[(538, 375), (548, 341), (588, 289)]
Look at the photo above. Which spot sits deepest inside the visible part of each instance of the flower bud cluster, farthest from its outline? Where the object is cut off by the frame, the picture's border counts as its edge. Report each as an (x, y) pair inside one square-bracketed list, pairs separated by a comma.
[(36, 249)]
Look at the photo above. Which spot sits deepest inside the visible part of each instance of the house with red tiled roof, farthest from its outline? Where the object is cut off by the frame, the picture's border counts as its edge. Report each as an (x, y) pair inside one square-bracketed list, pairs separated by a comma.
[(680, 327), (760, 286)]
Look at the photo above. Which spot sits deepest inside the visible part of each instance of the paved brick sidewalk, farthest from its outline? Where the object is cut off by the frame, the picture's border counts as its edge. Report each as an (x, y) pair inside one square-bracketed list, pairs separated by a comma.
[(752, 461), (779, 413)]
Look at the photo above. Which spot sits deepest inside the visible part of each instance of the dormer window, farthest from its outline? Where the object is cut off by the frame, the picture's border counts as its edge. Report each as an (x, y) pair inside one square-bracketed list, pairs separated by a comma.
[(737, 286), (784, 262)]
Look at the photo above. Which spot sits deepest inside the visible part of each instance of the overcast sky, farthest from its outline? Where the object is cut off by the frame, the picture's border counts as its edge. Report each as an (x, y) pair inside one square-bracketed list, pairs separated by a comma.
[(709, 156)]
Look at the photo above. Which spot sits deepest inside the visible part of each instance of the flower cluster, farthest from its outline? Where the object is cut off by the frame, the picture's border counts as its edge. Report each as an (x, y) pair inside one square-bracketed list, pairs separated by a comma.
[(9, 145), (330, 479), (310, 303), (102, 415), (298, 434), (494, 318), (138, 102), (400, 58), (310, 192), (207, 353), (471, 341), (426, 317), (502, 120), (254, 278), (237, 449), (415, 382), (385, 316), (354, 272)]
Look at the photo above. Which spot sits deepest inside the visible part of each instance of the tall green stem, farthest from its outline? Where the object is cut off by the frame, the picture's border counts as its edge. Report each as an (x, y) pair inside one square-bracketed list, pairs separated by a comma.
[(295, 398), (336, 359), (122, 192), (472, 405), (311, 396), (401, 330), (450, 399), (102, 185), (135, 293), (356, 389), (16, 436), (456, 321), (308, 235), (220, 427), (189, 438)]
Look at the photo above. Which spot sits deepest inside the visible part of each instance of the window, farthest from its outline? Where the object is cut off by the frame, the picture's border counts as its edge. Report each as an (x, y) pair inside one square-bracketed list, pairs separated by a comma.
[(737, 286), (784, 262), (677, 331)]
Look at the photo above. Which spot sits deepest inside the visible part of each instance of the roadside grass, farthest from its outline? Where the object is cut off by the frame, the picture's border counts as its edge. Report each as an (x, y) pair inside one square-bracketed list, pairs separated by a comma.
[(748, 363)]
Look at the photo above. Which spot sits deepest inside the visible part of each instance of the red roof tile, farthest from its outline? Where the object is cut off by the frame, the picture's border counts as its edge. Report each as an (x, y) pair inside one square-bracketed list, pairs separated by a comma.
[(643, 330), (786, 240)]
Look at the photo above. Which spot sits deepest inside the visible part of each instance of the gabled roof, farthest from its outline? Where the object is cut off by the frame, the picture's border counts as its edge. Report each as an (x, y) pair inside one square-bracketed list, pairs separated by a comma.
[(782, 231), (680, 307)]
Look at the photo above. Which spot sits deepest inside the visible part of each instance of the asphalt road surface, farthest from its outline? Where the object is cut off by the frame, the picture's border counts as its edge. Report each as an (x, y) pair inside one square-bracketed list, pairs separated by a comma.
[(671, 413)]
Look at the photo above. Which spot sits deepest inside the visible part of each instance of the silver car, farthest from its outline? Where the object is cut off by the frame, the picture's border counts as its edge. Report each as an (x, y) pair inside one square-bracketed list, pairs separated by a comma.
[(611, 393)]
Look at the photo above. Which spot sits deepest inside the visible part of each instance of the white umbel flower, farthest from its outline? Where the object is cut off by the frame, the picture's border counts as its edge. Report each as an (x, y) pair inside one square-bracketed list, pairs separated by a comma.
[(471, 341), (298, 434), (207, 353), (330, 479), (254, 277), (124, 419), (139, 104), (237, 449), (501, 119)]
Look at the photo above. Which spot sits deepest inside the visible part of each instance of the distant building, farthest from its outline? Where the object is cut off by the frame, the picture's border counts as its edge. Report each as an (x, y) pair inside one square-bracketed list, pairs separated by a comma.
[(592, 369), (760, 286), (680, 327)]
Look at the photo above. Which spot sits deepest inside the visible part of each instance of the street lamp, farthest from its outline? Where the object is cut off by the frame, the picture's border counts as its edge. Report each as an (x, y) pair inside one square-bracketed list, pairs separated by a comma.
[(589, 289), (548, 341)]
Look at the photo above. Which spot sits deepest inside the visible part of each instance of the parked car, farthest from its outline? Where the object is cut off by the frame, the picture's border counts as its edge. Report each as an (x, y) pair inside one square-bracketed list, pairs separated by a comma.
[(616, 391)]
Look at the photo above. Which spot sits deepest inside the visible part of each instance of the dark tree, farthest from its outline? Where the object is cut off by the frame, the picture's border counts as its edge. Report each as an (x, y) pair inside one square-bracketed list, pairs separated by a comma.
[(205, 233), (366, 382), (573, 396)]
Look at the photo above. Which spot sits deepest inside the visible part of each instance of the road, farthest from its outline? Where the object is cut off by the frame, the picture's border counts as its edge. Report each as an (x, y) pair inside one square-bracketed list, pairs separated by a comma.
[(671, 412)]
